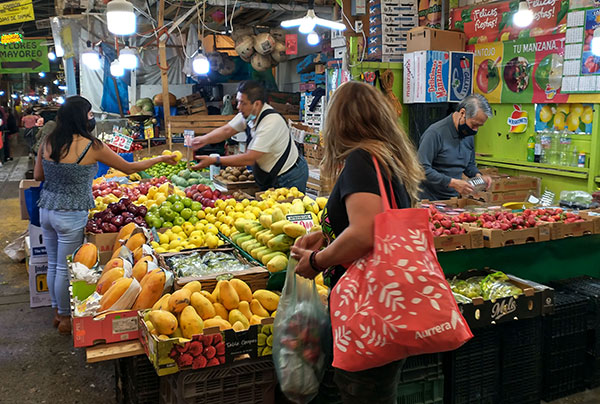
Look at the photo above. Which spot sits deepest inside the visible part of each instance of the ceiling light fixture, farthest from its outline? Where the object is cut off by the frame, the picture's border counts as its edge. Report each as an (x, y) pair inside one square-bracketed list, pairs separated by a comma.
[(307, 23), (128, 58), (200, 64), (313, 38), (90, 57), (116, 69), (120, 17), (524, 16)]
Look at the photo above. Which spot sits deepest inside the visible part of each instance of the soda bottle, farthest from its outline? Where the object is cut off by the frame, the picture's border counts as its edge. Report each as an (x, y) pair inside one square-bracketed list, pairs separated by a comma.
[(538, 148), (531, 148)]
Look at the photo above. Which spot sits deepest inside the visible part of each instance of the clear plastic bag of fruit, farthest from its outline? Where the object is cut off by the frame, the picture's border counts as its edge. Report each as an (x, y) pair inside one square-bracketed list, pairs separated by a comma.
[(300, 338)]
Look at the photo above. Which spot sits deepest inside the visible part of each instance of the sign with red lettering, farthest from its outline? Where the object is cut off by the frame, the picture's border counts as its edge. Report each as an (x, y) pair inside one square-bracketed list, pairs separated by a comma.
[(291, 44), (121, 141)]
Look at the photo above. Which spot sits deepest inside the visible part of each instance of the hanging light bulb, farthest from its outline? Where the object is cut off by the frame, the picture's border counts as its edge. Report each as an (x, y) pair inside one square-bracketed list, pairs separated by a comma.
[(116, 69), (200, 64), (51, 55), (91, 58), (596, 42), (120, 17), (42, 74), (307, 26), (128, 58), (308, 22), (313, 38), (524, 16)]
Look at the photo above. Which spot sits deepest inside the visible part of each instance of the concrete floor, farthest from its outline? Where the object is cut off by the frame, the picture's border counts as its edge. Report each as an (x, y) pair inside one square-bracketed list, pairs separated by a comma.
[(37, 365)]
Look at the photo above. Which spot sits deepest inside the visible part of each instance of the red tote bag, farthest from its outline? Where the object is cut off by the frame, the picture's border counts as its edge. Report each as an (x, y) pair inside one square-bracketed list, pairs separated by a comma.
[(394, 302)]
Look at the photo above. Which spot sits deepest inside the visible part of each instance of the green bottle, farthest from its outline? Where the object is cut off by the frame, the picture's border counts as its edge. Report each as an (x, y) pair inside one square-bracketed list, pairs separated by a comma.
[(531, 149)]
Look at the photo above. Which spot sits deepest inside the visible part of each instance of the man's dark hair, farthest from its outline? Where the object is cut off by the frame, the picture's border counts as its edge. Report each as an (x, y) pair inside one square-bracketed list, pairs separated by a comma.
[(253, 90)]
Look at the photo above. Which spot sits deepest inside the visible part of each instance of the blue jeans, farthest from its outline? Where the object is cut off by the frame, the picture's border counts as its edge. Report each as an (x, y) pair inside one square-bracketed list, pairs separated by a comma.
[(62, 232), (295, 176)]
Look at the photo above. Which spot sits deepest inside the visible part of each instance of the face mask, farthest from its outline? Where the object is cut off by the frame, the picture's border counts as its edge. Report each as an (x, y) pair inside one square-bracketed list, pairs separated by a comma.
[(250, 118), (91, 124), (465, 130)]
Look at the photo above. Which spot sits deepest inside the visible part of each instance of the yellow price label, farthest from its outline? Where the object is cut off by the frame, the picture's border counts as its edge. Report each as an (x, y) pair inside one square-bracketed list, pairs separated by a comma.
[(149, 131), (41, 283)]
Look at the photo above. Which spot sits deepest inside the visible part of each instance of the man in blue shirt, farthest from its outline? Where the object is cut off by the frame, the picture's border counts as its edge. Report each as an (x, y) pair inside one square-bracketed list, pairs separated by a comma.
[(447, 150)]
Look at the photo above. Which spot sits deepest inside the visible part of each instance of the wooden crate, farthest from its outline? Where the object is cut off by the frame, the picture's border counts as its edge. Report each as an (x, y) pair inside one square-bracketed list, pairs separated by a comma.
[(202, 124)]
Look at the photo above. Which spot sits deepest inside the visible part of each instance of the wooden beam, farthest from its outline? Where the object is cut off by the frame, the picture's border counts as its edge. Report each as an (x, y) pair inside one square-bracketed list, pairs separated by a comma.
[(105, 352), (162, 56)]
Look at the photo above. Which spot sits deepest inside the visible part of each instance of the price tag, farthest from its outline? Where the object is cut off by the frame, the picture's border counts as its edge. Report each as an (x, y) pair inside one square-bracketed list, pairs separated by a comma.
[(304, 219), (149, 131), (188, 136), (121, 141)]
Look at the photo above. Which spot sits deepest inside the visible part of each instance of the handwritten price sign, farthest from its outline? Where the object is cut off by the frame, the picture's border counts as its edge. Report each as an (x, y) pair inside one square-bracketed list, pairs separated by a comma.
[(149, 131), (304, 219), (121, 141)]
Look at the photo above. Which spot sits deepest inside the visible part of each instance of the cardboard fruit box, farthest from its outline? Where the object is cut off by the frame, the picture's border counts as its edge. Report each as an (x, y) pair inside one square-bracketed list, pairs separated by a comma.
[(560, 230), (495, 238), (519, 183), (473, 238), (104, 242), (594, 216), (483, 313)]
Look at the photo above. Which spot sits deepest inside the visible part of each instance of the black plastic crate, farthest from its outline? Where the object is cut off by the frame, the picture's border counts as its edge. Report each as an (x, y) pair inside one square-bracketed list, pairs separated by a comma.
[(423, 392), (137, 382), (472, 372), (592, 372), (561, 380), (422, 367), (570, 314), (589, 287), (244, 382)]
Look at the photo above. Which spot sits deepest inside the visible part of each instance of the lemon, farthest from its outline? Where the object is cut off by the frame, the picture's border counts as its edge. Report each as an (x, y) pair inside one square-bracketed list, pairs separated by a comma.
[(142, 198), (178, 155), (199, 226), (256, 211), (211, 228), (572, 121), (238, 215), (577, 109), (587, 115), (559, 121), (245, 202), (239, 207), (196, 233), (281, 198), (220, 203), (212, 241), (197, 241), (204, 221), (200, 214), (166, 152), (176, 229), (250, 216), (173, 236), (160, 250), (163, 238), (564, 108), (160, 199), (164, 188), (211, 218), (154, 244), (545, 113), (174, 243), (231, 202), (179, 248), (228, 220), (225, 230), (220, 214)]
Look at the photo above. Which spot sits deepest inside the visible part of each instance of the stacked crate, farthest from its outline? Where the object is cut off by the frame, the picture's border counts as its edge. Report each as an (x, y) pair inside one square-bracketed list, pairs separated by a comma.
[(389, 23), (193, 104), (313, 119), (312, 72), (136, 381)]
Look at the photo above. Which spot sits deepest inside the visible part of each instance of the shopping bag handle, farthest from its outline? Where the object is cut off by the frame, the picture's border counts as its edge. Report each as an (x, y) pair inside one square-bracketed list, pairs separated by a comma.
[(384, 197)]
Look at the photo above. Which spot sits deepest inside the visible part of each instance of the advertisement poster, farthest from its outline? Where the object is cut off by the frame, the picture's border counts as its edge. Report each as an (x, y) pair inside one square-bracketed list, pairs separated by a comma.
[(522, 71), (461, 76), (430, 13), (575, 118), (29, 56), (12, 12), (494, 22)]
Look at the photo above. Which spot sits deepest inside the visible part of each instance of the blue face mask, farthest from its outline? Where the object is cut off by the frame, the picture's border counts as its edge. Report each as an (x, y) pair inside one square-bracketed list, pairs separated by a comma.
[(250, 118)]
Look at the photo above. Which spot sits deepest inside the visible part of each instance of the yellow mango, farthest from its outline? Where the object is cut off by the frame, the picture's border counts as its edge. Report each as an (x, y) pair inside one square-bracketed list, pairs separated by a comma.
[(179, 300), (190, 322), (209, 296), (321, 202), (254, 320), (267, 257), (281, 242), (266, 220), (277, 215), (294, 230), (243, 290), (215, 292), (277, 264), (203, 306), (194, 286), (220, 310), (228, 296), (238, 326), (177, 333), (254, 252), (164, 321), (235, 315), (258, 309), (262, 253), (217, 322), (244, 307), (256, 229), (267, 299), (265, 237), (277, 227)]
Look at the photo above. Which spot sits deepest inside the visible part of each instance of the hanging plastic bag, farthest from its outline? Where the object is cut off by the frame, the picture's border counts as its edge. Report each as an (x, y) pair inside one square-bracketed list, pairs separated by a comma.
[(301, 336)]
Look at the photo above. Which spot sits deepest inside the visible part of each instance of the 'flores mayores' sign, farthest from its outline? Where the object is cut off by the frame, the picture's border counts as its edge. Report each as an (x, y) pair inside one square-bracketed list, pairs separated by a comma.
[(29, 56)]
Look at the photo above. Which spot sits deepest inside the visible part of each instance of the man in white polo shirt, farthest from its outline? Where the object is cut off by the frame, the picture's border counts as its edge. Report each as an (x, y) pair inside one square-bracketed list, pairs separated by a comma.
[(271, 150)]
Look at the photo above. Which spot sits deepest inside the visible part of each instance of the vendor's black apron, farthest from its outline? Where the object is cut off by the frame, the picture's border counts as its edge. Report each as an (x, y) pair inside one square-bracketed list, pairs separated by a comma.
[(263, 179)]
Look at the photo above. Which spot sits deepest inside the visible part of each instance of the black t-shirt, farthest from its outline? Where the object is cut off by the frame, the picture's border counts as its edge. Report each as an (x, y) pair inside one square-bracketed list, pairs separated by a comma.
[(358, 175)]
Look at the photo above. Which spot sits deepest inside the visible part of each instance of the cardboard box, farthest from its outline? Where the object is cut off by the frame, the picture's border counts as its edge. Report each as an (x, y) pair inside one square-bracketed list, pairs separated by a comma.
[(23, 185), (472, 239), (560, 230), (105, 243), (39, 295), (519, 183), (408, 91), (461, 76), (37, 249), (503, 197), (113, 327), (425, 38), (428, 77), (495, 238)]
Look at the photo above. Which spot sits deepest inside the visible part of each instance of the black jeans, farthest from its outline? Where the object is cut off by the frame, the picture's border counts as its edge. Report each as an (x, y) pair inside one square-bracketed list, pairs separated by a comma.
[(377, 385)]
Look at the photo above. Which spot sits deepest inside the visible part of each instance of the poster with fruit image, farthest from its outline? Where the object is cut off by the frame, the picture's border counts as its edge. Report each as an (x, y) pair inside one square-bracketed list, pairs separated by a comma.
[(576, 118), (488, 80), (590, 63), (548, 69), (430, 13), (517, 68), (494, 22)]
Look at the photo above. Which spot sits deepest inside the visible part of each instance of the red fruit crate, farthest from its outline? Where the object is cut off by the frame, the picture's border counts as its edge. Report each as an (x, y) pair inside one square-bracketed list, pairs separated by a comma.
[(247, 382)]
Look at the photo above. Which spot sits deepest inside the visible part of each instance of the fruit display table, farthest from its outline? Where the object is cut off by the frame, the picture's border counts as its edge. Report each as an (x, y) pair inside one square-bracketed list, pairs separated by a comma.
[(539, 262)]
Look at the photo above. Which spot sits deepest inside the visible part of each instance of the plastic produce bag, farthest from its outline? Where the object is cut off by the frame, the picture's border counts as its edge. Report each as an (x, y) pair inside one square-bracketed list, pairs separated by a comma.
[(300, 338)]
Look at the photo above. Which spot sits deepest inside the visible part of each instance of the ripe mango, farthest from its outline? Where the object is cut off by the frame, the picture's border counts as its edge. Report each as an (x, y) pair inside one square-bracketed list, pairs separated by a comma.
[(235, 315), (164, 321), (194, 286), (249, 225), (220, 310), (255, 319), (163, 303), (277, 227), (310, 205), (239, 225), (215, 292), (266, 220), (267, 299), (244, 307), (190, 322), (177, 333), (257, 309), (228, 296), (281, 242), (151, 291), (114, 292), (265, 237), (179, 300), (262, 253), (208, 295), (237, 235), (203, 306), (277, 264), (107, 279), (248, 243), (217, 322), (238, 326), (140, 269), (254, 252), (277, 215), (297, 207), (267, 257), (256, 229), (321, 202), (294, 230), (243, 239), (243, 290)]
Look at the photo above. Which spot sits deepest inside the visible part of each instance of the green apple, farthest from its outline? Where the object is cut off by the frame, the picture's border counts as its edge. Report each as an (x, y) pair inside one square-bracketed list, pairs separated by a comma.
[(157, 223), (178, 221), (167, 224), (193, 220), (196, 206), (178, 206), (186, 213), (187, 202)]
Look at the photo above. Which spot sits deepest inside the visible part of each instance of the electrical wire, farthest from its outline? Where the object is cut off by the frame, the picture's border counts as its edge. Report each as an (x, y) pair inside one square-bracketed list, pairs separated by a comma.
[(362, 58), (232, 14)]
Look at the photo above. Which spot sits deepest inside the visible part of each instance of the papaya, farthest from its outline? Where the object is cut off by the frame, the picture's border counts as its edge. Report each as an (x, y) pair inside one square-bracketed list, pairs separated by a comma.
[(243, 290), (87, 255), (215, 292), (238, 326), (235, 315), (267, 257), (249, 225), (236, 236), (179, 300), (124, 234), (281, 242), (140, 269), (135, 241), (258, 309), (117, 262), (248, 243), (190, 322), (138, 253), (243, 239), (208, 295), (256, 229), (162, 303), (142, 282), (294, 230), (151, 291), (277, 227), (164, 321), (239, 225), (262, 253), (277, 264), (228, 296), (277, 215), (220, 310), (194, 286), (107, 279), (114, 292), (266, 220), (123, 252), (267, 299), (203, 306), (254, 252), (217, 322), (265, 237), (244, 307)]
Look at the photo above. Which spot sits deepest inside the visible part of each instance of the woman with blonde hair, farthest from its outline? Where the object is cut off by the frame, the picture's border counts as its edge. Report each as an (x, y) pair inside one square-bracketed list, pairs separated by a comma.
[(361, 124)]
